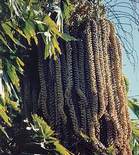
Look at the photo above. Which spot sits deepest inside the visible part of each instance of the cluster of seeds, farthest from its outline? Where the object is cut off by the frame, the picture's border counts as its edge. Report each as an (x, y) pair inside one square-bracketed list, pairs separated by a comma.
[(82, 95)]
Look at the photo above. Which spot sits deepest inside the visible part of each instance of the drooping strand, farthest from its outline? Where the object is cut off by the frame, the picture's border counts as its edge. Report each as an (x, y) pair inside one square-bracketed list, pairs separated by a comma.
[(87, 79), (117, 64), (114, 86), (68, 91), (118, 105), (65, 130), (118, 75), (111, 103), (126, 99), (50, 79), (80, 95), (127, 119), (51, 92), (102, 65), (109, 131), (87, 85), (94, 124), (81, 64), (42, 101), (60, 94), (81, 61), (58, 118), (92, 90), (26, 96), (63, 64), (98, 72)]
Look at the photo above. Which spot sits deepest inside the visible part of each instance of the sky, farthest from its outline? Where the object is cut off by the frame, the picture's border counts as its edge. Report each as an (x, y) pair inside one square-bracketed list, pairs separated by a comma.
[(131, 71)]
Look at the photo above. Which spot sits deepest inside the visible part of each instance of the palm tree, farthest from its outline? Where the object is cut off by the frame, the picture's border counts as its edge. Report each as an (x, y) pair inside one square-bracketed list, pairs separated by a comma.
[(79, 93)]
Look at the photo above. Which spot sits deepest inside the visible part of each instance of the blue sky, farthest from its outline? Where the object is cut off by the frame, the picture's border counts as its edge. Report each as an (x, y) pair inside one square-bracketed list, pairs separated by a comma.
[(132, 72), (129, 70)]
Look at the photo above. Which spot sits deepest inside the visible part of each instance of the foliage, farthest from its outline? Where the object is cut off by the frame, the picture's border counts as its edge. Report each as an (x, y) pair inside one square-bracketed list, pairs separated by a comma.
[(67, 9), (32, 138), (27, 21), (134, 106), (135, 137), (47, 135), (11, 66), (21, 24)]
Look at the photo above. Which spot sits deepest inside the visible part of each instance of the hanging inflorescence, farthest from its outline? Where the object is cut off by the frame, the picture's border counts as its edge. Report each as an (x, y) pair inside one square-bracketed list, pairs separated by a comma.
[(82, 95)]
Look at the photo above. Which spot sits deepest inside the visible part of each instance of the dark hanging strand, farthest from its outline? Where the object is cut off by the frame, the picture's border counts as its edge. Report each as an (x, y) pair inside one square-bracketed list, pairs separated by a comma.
[(80, 95), (81, 57), (57, 115), (60, 97), (26, 96), (81, 64), (92, 77), (43, 90), (68, 91), (50, 79), (63, 64), (87, 83)]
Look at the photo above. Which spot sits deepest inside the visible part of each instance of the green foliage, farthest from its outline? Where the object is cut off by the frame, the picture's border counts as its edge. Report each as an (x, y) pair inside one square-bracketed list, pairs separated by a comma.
[(47, 135), (111, 150), (126, 83), (135, 128), (134, 106), (2, 131), (9, 86), (34, 137), (4, 116), (135, 137), (43, 129), (23, 23), (29, 21), (67, 9), (9, 83)]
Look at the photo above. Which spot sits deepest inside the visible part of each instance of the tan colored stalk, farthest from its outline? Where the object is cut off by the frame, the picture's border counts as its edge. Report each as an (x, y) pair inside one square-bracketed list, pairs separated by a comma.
[(111, 106), (98, 71), (94, 124)]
